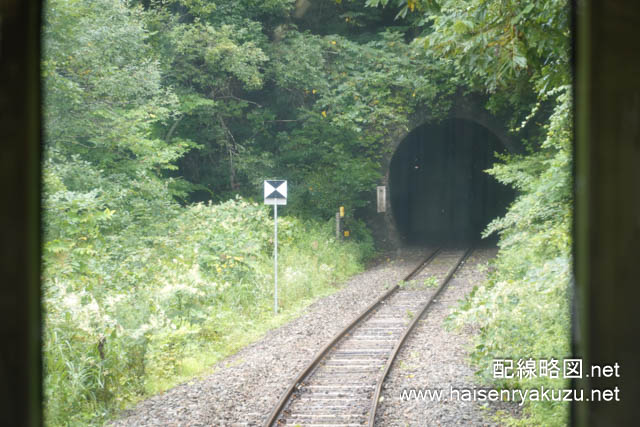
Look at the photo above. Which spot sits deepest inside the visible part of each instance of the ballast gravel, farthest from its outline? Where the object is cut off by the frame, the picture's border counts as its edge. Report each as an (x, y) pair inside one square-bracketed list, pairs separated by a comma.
[(435, 359), (245, 387)]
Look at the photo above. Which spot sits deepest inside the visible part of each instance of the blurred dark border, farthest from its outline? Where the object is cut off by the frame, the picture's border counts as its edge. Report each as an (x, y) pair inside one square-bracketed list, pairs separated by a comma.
[(20, 135), (606, 326), (607, 206)]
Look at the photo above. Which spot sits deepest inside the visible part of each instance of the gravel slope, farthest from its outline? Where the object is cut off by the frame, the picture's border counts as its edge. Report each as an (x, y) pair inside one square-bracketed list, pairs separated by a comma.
[(245, 387), (437, 359)]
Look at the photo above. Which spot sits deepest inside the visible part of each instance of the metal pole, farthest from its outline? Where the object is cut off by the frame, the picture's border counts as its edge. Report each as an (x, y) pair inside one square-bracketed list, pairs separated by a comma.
[(275, 256)]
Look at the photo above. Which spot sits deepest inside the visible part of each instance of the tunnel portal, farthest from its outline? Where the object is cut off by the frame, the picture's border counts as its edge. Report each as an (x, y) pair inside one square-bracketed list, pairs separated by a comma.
[(439, 192)]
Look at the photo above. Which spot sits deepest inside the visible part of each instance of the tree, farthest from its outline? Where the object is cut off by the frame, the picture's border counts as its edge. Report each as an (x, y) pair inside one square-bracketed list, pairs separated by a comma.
[(105, 198), (518, 53)]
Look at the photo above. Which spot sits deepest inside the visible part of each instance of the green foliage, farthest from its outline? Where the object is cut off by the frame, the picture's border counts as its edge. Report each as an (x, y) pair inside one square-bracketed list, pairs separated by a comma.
[(429, 282), (194, 287), (351, 96), (194, 100), (542, 213), (138, 291), (504, 43), (223, 54), (523, 310), (518, 52), (262, 99), (521, 317), (103, 91)]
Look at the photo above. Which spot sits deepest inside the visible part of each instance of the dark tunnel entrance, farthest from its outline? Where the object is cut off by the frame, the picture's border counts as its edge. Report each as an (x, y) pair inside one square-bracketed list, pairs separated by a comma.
[(439, 192)]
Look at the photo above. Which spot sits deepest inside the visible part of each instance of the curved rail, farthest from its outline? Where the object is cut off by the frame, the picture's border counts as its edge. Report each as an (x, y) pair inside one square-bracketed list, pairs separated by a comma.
[(320, 355), (392, 357)]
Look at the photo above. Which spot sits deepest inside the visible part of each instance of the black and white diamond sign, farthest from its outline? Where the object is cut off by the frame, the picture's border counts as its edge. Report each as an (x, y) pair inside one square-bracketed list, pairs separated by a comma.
[(275, 192)]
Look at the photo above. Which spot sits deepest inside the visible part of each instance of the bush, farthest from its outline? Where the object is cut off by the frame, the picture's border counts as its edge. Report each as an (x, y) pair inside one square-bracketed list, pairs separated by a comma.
[(176, 301), (523, 310)]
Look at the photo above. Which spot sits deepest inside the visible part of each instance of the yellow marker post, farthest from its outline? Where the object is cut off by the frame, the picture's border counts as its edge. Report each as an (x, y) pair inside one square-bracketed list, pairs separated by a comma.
[(341, 211), (346, 233)]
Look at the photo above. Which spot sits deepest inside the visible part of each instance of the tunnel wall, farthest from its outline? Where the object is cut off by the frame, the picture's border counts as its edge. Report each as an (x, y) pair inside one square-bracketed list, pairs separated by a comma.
[(439, 191), (467, 107)]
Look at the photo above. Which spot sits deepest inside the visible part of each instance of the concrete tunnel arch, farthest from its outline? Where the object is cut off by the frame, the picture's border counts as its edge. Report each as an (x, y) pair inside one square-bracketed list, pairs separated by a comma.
[(387, 228), (438, 192)]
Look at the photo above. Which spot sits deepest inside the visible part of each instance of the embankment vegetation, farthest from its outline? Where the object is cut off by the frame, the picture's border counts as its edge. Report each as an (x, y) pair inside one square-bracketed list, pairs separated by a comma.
[(162, 118)]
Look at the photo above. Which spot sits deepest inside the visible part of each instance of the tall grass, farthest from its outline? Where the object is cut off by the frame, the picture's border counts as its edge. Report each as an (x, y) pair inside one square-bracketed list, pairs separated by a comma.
[(163, 307)]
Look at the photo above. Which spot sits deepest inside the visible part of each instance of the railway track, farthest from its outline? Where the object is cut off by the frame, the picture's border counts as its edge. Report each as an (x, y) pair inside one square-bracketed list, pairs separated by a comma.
[(342, 384)]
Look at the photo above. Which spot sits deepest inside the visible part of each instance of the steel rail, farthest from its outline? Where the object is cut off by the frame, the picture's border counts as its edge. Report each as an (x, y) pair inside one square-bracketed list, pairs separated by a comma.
[(414, 322), (320, 355)]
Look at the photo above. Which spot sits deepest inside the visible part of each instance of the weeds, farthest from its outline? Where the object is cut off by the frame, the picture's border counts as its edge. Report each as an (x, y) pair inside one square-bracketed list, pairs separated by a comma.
[(195, 292)]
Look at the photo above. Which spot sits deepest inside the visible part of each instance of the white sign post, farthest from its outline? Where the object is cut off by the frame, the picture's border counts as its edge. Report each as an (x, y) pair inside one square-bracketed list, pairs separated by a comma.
[(275, 193), (382, 198)]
